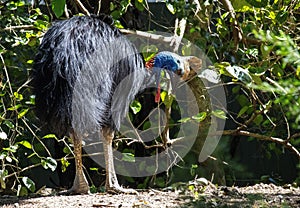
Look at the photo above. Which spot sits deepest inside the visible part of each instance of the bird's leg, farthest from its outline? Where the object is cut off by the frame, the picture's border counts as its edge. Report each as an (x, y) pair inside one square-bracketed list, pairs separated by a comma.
[(80, 184), (111, 184)]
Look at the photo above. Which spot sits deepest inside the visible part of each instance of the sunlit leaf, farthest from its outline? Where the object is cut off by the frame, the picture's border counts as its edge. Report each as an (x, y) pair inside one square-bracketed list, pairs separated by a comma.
[(149, 52), (25, 144), (219, 113), (23, 113), (3, 135), (136, 106), (200, 116), (12, 148), (64, 164), (128, 157), (29, 183), (49, 163), (239, 73), (184, 120), (171, 8), (18, 96), (16, 107), (50, 136)]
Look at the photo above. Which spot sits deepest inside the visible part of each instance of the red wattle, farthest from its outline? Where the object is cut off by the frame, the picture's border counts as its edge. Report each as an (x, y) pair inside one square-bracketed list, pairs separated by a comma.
[(157, 96)]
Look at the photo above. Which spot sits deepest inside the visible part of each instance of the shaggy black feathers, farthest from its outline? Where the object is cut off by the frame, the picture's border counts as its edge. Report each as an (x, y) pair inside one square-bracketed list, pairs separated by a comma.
[(79, 64)]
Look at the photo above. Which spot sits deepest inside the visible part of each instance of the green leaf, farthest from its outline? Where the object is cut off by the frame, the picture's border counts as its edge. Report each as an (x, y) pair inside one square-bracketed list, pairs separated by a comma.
[(9, 124), (149, 52), (167, 99), (25, 144), (282, 16), (128, 157), (239, 73), (200, 116), (184, 120), (94, 169), (146, 125), (49, 163), (41, 25), (58, 7), (29, 184), (22, 191), (64, 164), (242, 111), (23, 113), (171, 8), (13, 108), (139, 5), (18, 96), (12, 148), (258, 120), (50, 136), (67, 150), (136, 106), (219, 113)]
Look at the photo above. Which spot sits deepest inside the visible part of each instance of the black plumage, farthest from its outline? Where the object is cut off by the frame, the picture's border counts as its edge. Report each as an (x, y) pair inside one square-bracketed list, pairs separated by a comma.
[(64, 73)]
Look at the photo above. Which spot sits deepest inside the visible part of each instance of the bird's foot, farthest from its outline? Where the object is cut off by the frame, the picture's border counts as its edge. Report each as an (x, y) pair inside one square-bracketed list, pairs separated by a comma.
[(116, 189), (75, 191), (80, 186)]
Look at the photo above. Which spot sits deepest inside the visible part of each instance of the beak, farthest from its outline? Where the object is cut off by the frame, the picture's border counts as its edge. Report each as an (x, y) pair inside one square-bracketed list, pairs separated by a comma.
[(192, 66), (186, 71)]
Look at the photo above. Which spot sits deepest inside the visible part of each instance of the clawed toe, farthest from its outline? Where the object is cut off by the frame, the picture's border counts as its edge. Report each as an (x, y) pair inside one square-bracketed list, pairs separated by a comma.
[(120, 189)]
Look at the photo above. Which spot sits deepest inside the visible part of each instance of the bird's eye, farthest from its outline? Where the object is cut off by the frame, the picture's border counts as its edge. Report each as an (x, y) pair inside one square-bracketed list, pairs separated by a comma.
[(178, 62)]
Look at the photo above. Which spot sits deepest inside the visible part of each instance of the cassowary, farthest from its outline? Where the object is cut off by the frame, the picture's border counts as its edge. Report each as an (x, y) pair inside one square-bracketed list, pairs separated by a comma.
[(84, 54)]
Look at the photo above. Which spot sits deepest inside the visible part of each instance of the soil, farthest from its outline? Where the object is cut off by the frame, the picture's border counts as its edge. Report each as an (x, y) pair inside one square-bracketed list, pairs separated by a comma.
[(198, 193)]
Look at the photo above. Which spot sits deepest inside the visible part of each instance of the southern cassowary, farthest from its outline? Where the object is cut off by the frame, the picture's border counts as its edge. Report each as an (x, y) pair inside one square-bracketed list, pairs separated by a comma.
[(79, 64)]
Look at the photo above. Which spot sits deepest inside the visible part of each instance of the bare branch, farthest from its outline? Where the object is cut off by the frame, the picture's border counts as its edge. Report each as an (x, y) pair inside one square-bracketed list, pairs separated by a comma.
[(82, 8), (237, 32), (19, 27), (99, 7), (277, 140), (177, 38), (148, 35)]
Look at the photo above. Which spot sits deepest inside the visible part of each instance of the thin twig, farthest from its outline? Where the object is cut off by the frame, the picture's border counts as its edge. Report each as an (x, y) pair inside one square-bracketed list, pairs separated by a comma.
[(82, 8), (99, 7), (237, 32)]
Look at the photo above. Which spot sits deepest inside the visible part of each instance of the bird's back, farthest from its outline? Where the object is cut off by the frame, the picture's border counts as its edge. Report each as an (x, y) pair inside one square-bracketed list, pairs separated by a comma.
[(79, 64)]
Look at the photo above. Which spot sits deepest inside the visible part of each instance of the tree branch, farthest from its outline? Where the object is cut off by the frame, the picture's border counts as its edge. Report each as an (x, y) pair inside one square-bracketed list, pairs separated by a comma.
[(277, 140), (237, 32), (82, 8), (148, 35), (19, 27)]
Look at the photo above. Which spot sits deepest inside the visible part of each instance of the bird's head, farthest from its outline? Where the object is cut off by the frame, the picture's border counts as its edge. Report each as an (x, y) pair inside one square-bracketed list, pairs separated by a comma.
[(171, 62)]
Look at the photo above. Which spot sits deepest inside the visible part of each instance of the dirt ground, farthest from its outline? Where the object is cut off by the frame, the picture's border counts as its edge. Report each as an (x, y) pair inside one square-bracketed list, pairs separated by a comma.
[(198, 193)]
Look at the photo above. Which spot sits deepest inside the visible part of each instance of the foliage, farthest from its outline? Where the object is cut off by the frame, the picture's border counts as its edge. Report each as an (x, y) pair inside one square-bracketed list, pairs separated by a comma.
[(255, 48)]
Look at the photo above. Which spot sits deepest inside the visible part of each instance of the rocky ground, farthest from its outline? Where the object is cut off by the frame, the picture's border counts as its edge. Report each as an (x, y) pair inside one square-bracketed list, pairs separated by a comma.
[(198, 193)]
